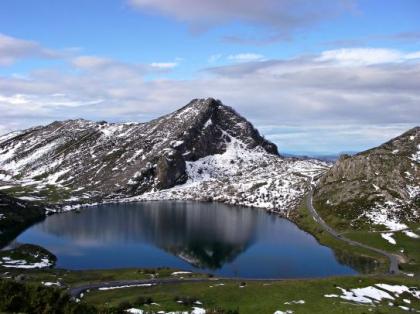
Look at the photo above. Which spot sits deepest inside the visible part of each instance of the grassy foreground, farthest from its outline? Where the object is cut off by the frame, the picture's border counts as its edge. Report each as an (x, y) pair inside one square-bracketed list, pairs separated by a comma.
[(254, 297), (216, 296)]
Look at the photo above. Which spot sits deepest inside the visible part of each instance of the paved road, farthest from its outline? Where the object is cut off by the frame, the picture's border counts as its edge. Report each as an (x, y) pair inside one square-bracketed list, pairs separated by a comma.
[(393, 258), (76, 291)]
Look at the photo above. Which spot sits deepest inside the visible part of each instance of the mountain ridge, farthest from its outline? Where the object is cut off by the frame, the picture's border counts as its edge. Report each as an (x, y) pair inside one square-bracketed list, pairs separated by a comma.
[(78, 161), (380, 185)]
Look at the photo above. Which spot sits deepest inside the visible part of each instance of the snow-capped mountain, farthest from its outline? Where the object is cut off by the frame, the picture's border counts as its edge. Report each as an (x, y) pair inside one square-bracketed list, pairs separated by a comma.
[(204, 151), (379, 187)]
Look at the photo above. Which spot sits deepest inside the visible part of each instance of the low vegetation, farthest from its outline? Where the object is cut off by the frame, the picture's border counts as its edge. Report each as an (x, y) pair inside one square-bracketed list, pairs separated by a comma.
[(15, 216), (27, 256), (16, 297)]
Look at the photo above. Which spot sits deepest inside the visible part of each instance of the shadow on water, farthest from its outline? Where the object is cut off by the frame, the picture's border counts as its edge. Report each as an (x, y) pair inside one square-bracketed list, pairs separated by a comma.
[(364, 265)]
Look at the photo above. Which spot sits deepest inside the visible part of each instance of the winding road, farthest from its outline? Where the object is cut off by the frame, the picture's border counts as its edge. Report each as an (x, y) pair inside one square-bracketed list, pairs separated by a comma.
[(393, 258)]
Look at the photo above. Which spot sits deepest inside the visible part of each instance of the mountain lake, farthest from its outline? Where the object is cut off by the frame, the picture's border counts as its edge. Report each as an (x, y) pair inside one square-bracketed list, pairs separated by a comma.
[(212, 238)]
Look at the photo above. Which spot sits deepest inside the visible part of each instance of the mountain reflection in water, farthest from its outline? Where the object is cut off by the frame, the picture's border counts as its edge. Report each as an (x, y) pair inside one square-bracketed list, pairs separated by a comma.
[(224, 240), (201, 236)]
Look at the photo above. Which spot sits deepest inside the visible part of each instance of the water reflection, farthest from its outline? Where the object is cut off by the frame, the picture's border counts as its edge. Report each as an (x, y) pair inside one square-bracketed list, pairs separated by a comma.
[(203, 236), (229, 241)]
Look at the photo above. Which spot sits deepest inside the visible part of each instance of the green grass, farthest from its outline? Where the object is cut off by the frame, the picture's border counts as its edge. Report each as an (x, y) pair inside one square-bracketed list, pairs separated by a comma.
[(54, 194), (51, 194), (80, 277), (29, 252), (361, 233), (16, 297), (256, 297), (18, 190), (410, 247), (364, 260)]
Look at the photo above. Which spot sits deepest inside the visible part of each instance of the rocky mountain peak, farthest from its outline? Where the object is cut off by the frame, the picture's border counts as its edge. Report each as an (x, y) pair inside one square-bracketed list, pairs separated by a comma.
[(210, 126), (124, 158)]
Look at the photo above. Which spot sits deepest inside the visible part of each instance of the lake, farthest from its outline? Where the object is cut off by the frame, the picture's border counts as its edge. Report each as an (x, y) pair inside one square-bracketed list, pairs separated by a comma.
[(192, 236)]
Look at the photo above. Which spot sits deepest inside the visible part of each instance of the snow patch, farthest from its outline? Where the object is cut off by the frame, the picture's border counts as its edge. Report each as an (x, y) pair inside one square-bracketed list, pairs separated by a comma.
[(243, 176), (411, 234), (385, 215), (176, 273), (372, 295), (126, 286), (295, 302), (135, 311), (11, 263), (51, 284), (416, 156), (388, 237)]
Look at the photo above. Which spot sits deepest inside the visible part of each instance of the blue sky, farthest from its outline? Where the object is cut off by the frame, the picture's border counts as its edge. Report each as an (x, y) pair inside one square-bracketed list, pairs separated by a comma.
[(315, 77)]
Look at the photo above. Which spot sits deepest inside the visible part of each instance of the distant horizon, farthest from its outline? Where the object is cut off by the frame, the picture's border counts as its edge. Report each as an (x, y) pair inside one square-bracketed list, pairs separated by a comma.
[(320, 77)]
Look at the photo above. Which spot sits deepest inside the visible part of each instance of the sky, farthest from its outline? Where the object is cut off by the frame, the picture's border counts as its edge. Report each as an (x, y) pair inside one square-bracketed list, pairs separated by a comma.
[(315, 77)]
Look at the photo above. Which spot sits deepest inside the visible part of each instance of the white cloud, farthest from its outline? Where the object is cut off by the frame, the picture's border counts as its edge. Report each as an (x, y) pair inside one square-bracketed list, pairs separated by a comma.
[(303, 91), (413, 55), (246, 57), (366, 56), (329, 139), (13, 49), (87, 62), (281, 16), (164, 65), (113, 68), (215, 57)]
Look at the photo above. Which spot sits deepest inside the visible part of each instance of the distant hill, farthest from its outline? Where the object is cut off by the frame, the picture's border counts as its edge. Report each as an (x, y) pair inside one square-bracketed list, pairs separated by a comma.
[(379, 187)]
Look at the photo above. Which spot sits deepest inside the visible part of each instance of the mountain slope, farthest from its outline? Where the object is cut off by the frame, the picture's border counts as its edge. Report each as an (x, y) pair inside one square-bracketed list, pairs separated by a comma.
[(78, 161), (247, 177), (379, 187), (16, 215)]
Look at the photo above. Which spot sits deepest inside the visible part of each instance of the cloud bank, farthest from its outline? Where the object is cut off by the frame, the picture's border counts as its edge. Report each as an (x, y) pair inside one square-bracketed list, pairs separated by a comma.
[(13, 49), (282, 17), (333, 101)]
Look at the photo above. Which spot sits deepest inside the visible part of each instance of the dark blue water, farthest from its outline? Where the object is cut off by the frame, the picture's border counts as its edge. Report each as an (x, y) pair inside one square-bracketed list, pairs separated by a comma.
[(205, 237)]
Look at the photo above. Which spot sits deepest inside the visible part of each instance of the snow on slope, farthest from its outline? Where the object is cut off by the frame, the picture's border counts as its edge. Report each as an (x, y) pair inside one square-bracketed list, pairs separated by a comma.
[(214, 151), (247, 177), (379, 187)]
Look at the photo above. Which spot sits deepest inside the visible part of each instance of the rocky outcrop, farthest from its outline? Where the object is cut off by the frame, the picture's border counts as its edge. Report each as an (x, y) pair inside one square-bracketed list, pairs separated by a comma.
[(170, 169), (380, 185)]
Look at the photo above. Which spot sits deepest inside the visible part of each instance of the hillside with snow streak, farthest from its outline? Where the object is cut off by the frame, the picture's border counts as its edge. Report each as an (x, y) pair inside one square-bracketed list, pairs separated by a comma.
[(378, 188), (246, 177), (203, 151)]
